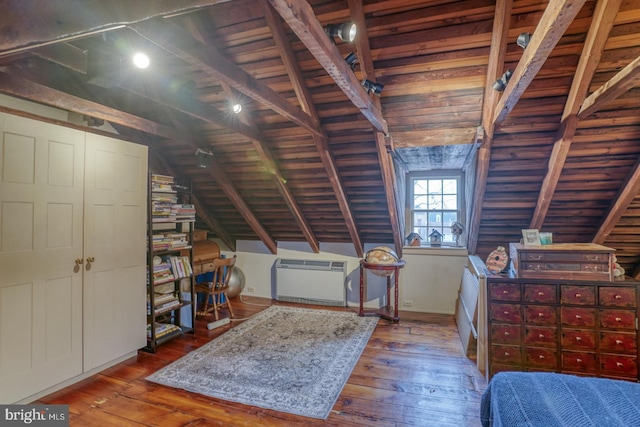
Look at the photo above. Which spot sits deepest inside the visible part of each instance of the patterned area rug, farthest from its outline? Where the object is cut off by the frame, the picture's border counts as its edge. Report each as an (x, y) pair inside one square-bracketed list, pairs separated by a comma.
[(293, 360)]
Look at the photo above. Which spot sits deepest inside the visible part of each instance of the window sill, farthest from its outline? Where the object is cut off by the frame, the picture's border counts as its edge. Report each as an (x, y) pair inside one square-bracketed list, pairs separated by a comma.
[(437, 251)]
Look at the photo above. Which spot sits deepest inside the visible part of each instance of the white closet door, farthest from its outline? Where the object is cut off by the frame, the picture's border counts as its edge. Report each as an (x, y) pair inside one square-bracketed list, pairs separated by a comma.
[(115, 207), (41, 192)]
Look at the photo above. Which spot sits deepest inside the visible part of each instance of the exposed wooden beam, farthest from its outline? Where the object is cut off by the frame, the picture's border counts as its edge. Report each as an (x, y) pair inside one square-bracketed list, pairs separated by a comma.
[(304, 97), (501, 20), (384, 158), (210, 61), (628, 193), (435, 137), (603, 18), (28, 24), (554, 21), (300, 17), (619, 84)]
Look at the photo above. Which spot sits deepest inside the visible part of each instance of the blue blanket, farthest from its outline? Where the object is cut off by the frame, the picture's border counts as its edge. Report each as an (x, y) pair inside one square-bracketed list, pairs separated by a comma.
[(519, 399)]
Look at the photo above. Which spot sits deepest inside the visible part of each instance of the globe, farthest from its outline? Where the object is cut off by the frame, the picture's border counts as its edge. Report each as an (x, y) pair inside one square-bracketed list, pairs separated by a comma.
[(382, 255)]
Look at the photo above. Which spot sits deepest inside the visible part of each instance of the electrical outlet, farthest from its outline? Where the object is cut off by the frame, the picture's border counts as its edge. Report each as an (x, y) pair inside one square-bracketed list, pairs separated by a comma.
[(251, 290), (407, 303)]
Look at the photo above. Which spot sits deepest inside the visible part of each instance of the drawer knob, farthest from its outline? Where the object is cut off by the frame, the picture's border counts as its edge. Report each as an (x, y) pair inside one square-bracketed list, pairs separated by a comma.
[(541, 336), (506, 334), (506, 353), (578, 316), (578, 295), (618, 319), (506, 313), (540, 314), (541, 357), (618, 297), (579, 360), (619, 364), (618, 342), (578, 338), (505, 292), (540, 293)]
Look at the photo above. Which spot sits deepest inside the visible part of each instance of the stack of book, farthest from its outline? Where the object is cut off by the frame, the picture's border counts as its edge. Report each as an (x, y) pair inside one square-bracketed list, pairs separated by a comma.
[(163, 329), (183, 213), (160, 183), (162, 273), (162, 302)]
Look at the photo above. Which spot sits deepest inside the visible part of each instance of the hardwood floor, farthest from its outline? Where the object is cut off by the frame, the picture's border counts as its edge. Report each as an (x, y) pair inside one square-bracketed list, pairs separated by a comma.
[(412, 373)]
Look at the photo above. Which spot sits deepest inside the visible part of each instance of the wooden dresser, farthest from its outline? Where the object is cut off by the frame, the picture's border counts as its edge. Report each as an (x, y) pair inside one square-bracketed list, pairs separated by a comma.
[(577, 327), (575, 261)]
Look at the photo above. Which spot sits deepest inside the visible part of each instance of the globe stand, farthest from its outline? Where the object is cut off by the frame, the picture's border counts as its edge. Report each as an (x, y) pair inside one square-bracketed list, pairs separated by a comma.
[(387, 270)]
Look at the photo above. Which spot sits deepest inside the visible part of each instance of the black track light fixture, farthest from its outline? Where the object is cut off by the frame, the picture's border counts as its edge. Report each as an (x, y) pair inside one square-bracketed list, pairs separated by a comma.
[(351, 59), (523, 40), (345, 31), (501, 83), (374, 87)]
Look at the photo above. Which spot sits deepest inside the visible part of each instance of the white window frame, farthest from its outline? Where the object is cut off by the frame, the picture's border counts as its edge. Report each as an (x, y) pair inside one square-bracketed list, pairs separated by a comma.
[(448, 238)]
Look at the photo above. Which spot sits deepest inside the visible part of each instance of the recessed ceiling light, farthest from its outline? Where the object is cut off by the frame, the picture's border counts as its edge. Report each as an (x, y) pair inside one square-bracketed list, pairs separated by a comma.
[(141, 60)]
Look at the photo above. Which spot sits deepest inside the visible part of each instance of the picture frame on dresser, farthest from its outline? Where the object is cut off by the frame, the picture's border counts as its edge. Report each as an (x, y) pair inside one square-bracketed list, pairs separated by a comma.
[(531, 237)]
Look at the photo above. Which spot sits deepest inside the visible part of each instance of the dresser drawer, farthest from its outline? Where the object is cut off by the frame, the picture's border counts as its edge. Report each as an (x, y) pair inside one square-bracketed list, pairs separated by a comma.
[(540, 315), (541, 358), (600, 257), (577, 295), (506, 354), (617, 319), (580, 339), (617, 296), (504, 292), (540, 293), (508, 313), (579, 317), (578, 361), (540, 336), (506, 334), (623, 366), (618, 342)]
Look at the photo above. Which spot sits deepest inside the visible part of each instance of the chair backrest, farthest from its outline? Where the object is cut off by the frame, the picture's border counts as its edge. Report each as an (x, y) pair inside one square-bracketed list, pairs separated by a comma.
[(222, 269)]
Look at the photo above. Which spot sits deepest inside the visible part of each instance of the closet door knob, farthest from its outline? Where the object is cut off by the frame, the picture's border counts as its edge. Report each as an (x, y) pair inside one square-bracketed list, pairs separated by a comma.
[(79, 261), (90, 259)]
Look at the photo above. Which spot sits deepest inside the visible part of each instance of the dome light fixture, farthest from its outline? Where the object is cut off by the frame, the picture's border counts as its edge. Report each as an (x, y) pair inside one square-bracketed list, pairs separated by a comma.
[(141, 60), (345, 31)]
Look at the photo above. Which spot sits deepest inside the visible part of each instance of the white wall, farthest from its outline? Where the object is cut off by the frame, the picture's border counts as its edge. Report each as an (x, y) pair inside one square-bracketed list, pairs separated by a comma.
[(430, 279)]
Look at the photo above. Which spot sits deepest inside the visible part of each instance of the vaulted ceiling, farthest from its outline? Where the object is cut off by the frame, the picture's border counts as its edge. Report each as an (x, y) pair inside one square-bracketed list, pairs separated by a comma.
[(313, 156)]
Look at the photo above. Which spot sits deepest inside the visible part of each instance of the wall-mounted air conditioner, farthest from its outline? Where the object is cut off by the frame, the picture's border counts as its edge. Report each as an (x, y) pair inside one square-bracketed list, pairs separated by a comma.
[(311, 281)]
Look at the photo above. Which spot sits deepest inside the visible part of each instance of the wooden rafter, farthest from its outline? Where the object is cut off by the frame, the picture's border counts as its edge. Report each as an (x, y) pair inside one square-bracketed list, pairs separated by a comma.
[(210, 61), (501, 19), (21, 27), (554, 22), (603, 18), (299, 15), (384, 158), (304, 97)]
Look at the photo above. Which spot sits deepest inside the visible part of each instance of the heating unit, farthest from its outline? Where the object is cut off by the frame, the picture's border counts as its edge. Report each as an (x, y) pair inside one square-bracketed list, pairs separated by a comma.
[(311, 281)]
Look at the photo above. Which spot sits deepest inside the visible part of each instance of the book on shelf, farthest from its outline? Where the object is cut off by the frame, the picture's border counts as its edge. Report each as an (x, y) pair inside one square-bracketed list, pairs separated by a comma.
[(163, 329)]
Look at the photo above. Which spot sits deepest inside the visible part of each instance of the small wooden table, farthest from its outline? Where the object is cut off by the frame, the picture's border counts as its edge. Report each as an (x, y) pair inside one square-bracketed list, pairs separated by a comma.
[(392, 270)]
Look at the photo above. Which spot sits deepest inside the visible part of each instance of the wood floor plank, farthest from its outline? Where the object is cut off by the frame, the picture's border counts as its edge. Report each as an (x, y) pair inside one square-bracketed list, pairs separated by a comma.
[(411, 374)]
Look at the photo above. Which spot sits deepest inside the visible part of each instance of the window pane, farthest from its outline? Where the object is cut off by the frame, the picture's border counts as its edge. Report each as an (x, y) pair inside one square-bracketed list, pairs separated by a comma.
[(450, 186), (423, 232), (421, 202), (435, 219), (435, 201), (419, 186), (435, 186), (449, 218), (420, 219), (450, 201)]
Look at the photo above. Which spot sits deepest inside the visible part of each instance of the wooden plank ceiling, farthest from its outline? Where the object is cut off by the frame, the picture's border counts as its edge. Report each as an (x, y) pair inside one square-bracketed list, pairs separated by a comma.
[(309, 157)]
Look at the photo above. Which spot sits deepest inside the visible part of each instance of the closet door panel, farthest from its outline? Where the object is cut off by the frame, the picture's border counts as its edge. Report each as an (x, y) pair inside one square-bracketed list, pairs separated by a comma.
[(114, 232), (41, 192)]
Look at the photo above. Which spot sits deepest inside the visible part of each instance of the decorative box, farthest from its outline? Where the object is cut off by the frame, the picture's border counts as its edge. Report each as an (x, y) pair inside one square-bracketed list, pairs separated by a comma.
[(564, 261)]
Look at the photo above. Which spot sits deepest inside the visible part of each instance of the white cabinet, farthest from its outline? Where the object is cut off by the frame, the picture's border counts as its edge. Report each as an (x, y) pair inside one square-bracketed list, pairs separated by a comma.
[(68, 197)]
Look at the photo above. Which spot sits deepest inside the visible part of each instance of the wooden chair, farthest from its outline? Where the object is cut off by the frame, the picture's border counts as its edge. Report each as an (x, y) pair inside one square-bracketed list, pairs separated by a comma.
[(215, 291)]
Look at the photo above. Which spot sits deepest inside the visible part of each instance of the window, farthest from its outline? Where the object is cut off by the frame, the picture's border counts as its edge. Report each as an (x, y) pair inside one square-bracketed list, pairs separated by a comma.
[(435, 203)]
